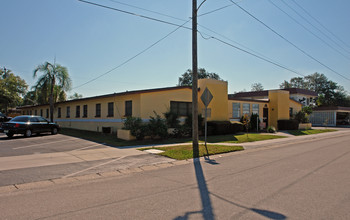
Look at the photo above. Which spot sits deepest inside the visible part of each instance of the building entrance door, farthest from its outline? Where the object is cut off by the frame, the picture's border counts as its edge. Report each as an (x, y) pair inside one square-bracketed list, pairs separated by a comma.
[(266, 116)]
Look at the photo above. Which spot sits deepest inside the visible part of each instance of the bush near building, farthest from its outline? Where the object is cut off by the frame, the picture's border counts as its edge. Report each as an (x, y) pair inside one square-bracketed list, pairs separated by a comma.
[(290, 124)]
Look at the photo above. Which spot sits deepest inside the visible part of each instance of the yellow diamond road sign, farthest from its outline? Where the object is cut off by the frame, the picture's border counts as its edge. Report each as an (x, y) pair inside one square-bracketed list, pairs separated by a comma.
[(206, 97)]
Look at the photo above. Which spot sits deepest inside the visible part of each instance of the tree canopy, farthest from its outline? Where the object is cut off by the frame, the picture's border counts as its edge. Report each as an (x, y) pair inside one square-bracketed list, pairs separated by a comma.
[(257, 87), (12, 90), (329, 92), (186, 78), (52, 84)]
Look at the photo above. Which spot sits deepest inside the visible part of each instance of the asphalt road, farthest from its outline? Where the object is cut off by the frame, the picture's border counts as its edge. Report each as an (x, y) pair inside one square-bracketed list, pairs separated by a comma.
[(45, 157), (308, 180)]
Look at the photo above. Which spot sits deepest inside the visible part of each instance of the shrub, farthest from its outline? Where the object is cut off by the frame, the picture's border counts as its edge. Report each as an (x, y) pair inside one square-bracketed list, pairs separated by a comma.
[(136, 127), (254, 122), (157, 127), (224, 127), (271, 129), (288, 124), (303, 115), (172, 120)]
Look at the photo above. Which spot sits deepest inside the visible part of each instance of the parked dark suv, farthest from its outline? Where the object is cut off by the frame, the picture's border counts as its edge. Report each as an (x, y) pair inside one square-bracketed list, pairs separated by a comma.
[(28, 125)]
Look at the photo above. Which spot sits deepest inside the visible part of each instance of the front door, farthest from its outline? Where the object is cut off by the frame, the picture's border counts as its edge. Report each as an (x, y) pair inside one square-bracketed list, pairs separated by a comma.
[(266, 117)]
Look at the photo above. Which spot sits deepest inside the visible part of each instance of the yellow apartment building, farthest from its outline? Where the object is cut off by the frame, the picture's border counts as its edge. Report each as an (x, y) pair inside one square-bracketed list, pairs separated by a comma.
[(109, 111)]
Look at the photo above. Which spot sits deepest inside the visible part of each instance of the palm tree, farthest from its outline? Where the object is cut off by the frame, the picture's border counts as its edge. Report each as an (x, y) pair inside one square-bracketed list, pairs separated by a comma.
[(52, 74)]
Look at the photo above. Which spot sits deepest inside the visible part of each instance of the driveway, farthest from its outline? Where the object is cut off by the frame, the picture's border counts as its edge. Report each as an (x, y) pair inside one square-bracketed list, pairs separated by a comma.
[(44, 157)]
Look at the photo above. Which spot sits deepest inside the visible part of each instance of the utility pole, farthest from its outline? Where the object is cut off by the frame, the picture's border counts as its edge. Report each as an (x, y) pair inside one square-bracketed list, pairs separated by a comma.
[(194, 81)]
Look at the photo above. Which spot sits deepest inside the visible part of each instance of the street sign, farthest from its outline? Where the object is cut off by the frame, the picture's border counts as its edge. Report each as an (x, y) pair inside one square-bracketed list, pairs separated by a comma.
[(206, 97)]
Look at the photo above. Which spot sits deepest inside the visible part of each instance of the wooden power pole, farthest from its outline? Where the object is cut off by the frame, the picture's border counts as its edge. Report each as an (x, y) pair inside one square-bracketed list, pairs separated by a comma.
[(194, 81)]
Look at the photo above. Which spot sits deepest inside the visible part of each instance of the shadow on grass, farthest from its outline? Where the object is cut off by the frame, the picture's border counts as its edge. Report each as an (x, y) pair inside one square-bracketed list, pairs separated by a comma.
[(113, 141), (220, 138)]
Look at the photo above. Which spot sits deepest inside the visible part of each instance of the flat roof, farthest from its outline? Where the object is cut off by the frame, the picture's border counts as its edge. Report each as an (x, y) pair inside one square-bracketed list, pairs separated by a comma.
[(117, 94)]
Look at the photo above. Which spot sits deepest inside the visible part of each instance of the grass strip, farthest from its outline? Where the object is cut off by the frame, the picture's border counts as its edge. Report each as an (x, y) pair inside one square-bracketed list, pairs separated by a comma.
[(183, 152), (308, 132), (242, 138)]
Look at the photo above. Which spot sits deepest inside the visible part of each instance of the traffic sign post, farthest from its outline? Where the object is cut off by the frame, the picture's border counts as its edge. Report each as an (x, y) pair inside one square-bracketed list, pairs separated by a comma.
[(206, 99)]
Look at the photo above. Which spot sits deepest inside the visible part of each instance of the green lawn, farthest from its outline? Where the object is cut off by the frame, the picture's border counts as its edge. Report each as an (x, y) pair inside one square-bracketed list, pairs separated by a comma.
[(241, 138), (183, 152), (311, 131)]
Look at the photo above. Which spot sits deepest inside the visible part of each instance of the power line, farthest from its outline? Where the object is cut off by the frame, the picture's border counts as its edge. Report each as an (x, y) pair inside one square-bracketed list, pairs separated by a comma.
[(288, 41), (206, 13), (262, 57), (257, 56), (133, 57), (308, 30), (178, 27), (134, 14), (320, 23), (314, 26)]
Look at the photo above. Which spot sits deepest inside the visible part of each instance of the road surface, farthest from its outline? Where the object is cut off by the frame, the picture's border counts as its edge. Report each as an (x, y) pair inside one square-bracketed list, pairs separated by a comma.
[(307, 180)]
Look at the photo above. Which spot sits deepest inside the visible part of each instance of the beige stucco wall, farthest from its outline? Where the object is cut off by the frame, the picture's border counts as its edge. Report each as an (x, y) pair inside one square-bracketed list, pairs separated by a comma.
[(279, 106), (160, 101), (218, 105)]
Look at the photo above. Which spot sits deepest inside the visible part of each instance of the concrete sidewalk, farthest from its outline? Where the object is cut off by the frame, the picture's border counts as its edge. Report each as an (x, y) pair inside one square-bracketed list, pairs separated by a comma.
[(74, 156)]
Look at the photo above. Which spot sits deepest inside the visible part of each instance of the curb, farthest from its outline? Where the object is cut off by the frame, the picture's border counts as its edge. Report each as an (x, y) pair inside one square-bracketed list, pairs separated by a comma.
[(123, 172)]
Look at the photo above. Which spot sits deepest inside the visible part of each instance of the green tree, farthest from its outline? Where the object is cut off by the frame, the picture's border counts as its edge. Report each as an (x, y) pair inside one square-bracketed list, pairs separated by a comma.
[(186, 78), (12, 90), (257, 87), (329, 92), (75, 96), (55, 79)]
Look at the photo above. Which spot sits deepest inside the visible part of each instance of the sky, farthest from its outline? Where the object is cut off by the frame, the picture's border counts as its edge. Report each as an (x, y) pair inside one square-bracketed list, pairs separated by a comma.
[(108, 51)]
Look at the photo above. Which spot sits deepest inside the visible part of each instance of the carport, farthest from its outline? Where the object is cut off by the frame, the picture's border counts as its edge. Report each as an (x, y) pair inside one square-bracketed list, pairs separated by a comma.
[(330, 116)]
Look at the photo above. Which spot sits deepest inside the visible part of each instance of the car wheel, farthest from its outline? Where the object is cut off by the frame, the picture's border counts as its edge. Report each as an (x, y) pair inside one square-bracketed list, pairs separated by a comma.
[(10, 135), (28, 133), (54, 131)]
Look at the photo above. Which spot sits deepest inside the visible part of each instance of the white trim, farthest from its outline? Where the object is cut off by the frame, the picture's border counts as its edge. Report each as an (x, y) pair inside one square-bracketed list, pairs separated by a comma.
[(89, 120)]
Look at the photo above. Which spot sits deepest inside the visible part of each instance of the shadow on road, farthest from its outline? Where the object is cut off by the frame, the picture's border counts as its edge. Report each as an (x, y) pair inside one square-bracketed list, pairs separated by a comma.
[(207, 208)]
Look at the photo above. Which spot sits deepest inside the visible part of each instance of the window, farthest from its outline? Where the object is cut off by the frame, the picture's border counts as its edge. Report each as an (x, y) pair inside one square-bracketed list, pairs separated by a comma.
[(59, 112), (181, 108), (290, 112), (110, 109), (246, 109), (47, 113), (77, 111), (255, 109), (36, 112), (98, 110), (128, 108), (41, 112), (236, 110), (85, 111), (68, 112), (30, 112)]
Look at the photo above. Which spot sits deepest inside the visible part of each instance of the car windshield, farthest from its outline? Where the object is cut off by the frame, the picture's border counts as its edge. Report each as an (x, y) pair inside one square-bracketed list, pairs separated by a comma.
[(20, 119)]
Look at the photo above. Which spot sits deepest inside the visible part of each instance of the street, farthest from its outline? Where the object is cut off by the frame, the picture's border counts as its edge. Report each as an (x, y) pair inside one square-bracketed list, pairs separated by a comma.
[(308, 180)]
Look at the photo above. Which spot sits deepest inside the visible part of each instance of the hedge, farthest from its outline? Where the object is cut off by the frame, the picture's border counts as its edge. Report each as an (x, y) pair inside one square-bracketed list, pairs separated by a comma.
[(290, 124)]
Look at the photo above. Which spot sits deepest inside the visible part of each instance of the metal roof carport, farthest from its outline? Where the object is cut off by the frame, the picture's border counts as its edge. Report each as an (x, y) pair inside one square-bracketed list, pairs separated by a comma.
[(328, 116)]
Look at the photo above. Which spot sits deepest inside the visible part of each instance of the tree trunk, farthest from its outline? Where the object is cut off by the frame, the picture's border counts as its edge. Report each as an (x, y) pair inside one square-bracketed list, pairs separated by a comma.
[(51, 99)]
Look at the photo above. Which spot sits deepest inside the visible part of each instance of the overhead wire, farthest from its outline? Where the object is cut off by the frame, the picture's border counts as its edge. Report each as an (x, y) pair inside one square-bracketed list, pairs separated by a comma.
[(261, 57), (308, 30), (309, 14), (305, 19), (288, 41), (133, 57)]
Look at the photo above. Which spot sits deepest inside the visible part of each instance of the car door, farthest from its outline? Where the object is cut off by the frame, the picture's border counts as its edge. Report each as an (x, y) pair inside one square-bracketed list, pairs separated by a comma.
[(35, 125), (45, 125)]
